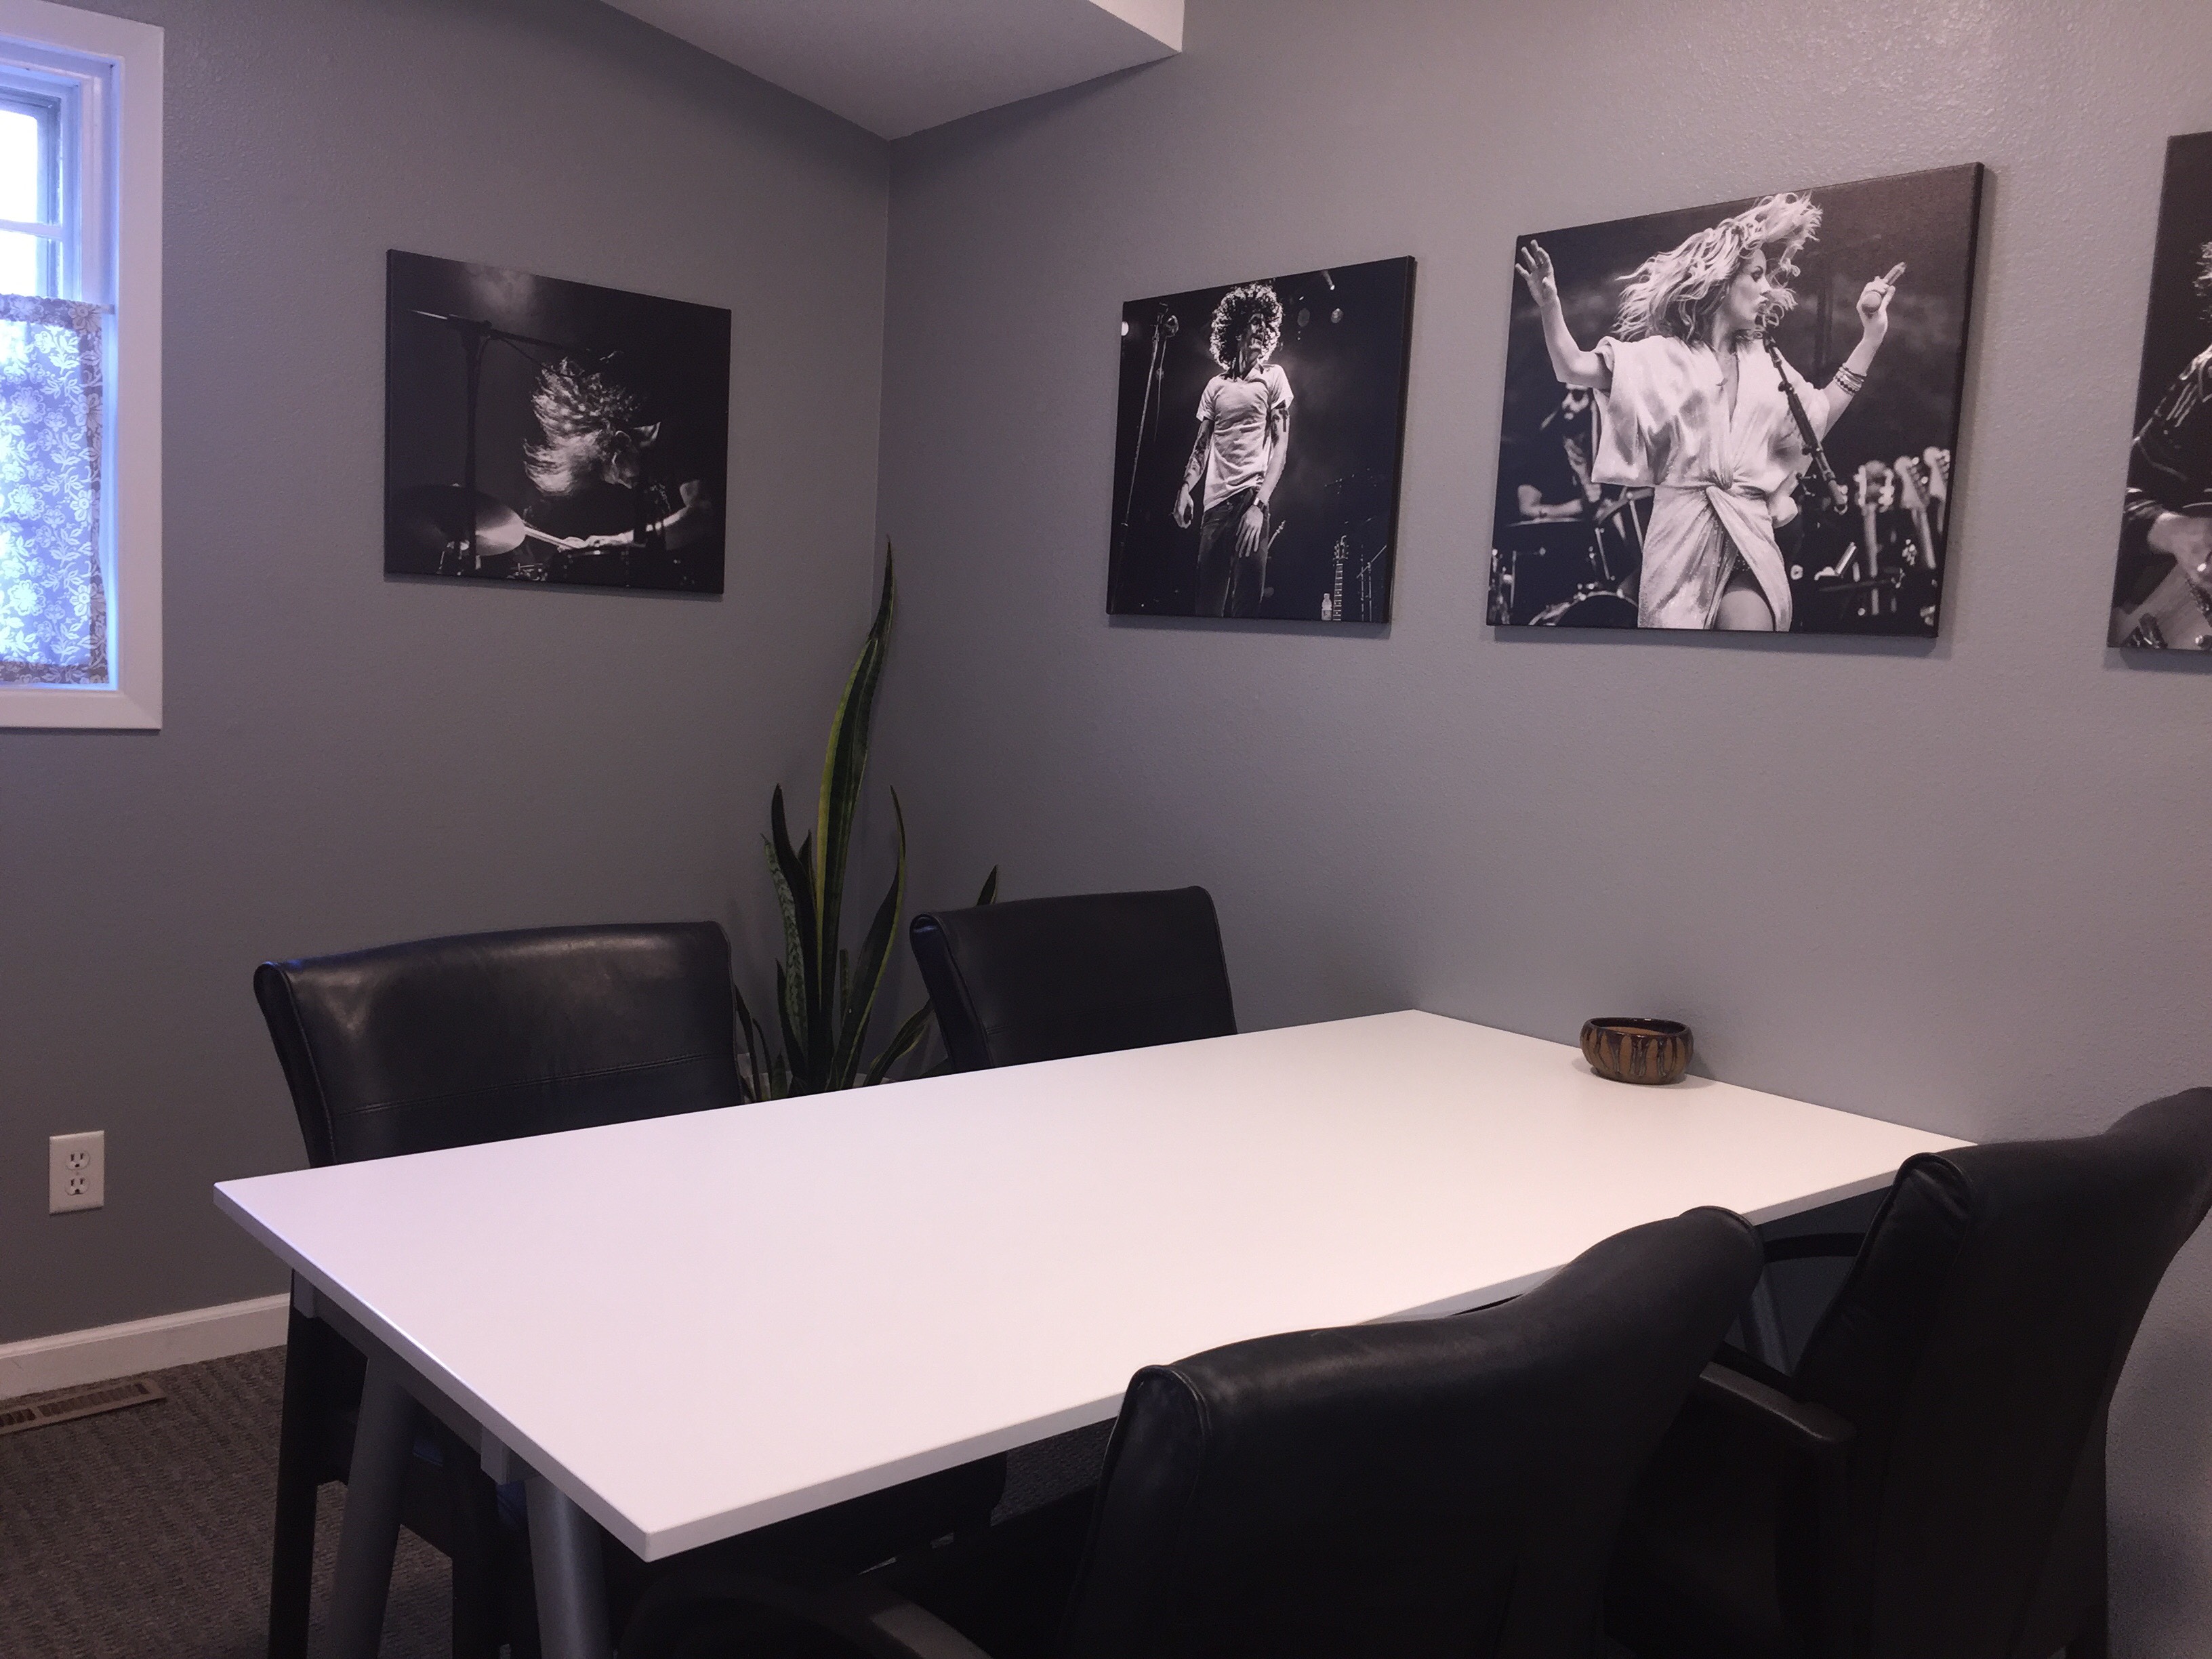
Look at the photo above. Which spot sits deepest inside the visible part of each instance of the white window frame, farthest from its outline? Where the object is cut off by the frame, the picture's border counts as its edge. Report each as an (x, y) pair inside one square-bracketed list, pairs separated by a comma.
[(121, 135)]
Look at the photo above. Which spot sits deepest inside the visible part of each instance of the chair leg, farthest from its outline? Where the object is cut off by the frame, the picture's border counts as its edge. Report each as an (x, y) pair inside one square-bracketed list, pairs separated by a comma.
[(473, 1524), (291, 1576)]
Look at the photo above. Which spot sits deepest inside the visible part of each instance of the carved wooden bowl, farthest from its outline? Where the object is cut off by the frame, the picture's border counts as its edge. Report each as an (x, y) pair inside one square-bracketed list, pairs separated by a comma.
[(1637, 1050)]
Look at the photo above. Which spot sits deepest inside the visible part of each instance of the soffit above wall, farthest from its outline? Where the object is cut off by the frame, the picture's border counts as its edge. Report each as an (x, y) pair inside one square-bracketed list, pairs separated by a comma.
[(897, 66)]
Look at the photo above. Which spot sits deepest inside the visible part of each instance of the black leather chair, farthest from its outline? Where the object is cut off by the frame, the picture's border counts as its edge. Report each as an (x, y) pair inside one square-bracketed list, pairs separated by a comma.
[(1930, 1483), (1414, 1490), (1048, 978), (451, 1042)]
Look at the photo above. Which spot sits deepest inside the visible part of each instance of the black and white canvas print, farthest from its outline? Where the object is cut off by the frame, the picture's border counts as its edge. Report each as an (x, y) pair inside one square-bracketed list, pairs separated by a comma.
[(537, 430), (1258, 444), (1740, 416), (2162, 590)]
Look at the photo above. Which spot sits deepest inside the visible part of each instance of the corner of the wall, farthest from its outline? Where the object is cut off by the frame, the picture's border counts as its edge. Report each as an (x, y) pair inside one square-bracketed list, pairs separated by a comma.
[(1161, 19)]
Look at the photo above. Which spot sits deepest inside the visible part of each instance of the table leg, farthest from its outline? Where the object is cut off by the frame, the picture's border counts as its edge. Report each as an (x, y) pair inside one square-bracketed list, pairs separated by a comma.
[(572, 1582), (383, 1442)]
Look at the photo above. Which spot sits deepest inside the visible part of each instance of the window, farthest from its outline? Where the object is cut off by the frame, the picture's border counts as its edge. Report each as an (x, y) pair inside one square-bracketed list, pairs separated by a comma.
[(80, 368)]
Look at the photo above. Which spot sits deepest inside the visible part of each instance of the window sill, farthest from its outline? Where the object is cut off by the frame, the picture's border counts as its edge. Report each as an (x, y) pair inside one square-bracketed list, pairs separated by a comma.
[(77, 708)]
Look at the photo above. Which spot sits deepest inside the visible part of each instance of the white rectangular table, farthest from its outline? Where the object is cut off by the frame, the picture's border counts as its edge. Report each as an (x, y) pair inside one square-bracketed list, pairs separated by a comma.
[(689, 1326)]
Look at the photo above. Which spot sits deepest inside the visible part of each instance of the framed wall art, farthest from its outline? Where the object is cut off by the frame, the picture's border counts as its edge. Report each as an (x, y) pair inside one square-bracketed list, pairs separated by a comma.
[(1260, 433), (537, 430), (1743, 415), (2162, 588)]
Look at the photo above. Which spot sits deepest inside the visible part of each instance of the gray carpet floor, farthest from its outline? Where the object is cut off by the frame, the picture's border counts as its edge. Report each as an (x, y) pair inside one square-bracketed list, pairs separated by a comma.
[(145, 1533)]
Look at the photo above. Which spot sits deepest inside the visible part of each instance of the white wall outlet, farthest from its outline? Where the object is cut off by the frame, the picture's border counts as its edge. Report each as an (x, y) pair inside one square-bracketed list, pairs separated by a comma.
[(77, 1171)]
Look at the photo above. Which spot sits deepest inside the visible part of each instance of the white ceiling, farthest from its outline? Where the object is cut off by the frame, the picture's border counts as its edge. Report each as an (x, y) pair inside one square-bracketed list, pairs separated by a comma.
[(897, 66)]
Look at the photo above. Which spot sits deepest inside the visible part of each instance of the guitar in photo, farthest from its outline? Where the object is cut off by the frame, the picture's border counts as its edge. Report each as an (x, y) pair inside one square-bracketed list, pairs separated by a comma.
[(2162, 585)]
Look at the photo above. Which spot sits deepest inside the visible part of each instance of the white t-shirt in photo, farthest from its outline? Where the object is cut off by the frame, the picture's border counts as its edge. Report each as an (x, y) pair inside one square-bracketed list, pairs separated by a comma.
[(1240, 409)]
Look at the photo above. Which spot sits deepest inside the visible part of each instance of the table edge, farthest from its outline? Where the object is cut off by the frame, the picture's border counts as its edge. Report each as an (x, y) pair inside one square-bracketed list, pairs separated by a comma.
[(654, 1545)]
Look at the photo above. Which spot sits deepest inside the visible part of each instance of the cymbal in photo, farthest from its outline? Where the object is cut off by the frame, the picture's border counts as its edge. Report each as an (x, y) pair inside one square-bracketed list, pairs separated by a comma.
[(430, 518)]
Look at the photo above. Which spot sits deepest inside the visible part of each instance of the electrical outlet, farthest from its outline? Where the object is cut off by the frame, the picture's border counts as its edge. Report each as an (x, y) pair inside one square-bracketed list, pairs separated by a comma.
[(77, 1171)]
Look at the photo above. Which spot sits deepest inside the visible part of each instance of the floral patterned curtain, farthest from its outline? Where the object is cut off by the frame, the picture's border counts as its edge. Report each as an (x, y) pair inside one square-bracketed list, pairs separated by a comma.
[(53, 615)]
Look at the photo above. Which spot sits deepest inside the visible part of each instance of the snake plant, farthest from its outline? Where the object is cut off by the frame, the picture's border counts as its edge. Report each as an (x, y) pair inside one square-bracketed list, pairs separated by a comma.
[(824, 998)]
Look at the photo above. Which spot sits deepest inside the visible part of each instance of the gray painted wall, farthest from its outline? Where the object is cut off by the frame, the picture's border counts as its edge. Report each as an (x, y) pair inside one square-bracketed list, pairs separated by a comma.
[(1951, 885), (1954, 885), (348, 759)]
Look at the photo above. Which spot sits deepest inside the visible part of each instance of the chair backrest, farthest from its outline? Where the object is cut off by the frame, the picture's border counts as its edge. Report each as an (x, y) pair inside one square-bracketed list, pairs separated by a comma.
[(1431, 1488), (1975, 1346), (1047, 978), (486, 1036)]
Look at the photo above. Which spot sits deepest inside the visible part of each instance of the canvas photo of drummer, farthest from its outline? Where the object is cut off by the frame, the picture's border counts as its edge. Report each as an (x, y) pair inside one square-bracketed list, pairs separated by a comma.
[(538, 430), (1740, 417)]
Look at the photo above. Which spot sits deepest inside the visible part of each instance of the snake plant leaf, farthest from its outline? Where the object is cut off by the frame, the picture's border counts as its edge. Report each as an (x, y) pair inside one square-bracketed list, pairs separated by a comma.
[(755, 1075), (875, 959), (783, 1014), (821, 1007), (990, 888), (903, 1042), (844, 763), (791, 873), (846, 760), (790, 973), (795, 868)]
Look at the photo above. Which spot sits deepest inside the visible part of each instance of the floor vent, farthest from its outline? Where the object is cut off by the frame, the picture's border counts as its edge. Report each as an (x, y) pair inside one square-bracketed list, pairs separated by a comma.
[(68, 1404)]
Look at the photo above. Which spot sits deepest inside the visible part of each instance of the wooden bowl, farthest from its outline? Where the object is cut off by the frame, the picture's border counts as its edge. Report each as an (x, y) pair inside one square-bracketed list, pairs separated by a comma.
[(1637, 1050)]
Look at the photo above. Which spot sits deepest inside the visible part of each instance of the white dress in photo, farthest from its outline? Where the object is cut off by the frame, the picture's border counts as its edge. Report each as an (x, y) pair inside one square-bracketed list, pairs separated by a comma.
[(1720, 486)]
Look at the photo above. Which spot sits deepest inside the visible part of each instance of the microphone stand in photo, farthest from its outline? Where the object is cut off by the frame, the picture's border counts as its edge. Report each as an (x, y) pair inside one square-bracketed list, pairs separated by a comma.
[(1165, 327)]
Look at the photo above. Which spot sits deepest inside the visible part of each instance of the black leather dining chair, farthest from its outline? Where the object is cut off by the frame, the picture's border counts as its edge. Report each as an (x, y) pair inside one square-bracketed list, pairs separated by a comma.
[(488, 1037), (1415, 1489), (1084, 973), (1929, 1482)]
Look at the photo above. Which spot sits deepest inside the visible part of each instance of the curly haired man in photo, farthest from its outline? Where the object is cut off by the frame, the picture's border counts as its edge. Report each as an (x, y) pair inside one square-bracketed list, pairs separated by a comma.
[(1244, 437)]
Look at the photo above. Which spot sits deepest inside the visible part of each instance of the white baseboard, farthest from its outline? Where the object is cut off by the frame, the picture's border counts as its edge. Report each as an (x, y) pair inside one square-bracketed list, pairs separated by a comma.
[(69, 1357)]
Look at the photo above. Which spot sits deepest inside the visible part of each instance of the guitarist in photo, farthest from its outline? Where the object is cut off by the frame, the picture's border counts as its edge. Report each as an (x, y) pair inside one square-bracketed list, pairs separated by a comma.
[(2162, 599)]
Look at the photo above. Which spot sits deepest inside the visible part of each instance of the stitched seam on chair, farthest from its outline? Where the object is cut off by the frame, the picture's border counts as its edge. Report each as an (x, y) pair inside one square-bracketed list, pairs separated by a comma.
[(967, 998), (314, 1071), (529, 1082), (1187, 1520), (1187, 1516)]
